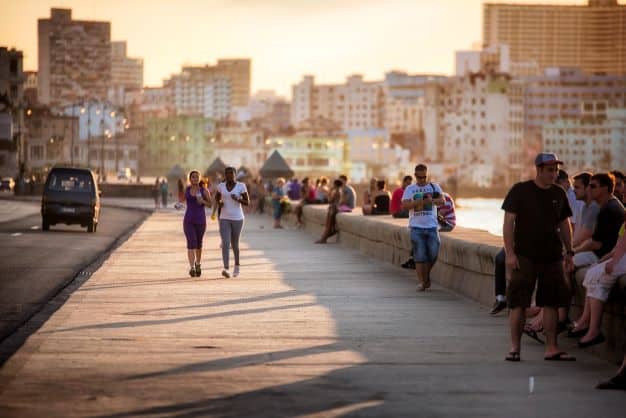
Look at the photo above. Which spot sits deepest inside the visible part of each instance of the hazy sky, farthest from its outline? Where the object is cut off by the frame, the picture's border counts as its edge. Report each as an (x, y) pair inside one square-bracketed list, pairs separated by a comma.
[(285, 38)]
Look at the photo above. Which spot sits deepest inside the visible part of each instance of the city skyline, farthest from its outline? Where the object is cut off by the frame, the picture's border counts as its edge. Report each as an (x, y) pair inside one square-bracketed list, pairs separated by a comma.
[(317, 38)]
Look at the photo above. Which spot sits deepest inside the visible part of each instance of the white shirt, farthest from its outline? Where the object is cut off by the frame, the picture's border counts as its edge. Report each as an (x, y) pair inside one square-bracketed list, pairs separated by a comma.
[(427, 217), (231, 210)]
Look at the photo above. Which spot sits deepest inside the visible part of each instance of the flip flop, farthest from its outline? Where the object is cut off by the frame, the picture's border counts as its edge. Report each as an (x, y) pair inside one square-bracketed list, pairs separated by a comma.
[(560, 356), (534, 335), (513, 356)]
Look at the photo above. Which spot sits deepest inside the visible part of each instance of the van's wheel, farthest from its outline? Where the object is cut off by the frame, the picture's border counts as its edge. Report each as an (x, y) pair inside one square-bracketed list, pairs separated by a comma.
[(45, 224), (91, 227)]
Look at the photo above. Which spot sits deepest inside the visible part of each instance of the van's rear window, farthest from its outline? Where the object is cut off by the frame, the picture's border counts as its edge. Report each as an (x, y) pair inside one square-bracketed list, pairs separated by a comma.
[(70, 182)]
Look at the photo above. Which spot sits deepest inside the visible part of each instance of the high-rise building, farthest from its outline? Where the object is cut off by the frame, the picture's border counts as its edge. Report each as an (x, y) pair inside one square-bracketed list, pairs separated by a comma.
[(126, 73), (74, 59), (212, 91), (595, 141), (563, 93), (404, 101), (356, 104), (238, 72), (476, 123), (591, 36)]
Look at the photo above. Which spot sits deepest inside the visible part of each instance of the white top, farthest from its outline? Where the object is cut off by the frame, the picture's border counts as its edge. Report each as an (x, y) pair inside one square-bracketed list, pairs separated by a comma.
[(231, 210), (427, 217)]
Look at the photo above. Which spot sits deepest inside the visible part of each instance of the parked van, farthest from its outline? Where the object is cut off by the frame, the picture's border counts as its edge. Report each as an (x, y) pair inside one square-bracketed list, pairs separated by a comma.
[(70, 196)]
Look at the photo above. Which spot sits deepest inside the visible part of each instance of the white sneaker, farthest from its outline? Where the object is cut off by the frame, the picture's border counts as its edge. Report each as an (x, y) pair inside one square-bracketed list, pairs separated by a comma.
[(225, 273), (236, 271)]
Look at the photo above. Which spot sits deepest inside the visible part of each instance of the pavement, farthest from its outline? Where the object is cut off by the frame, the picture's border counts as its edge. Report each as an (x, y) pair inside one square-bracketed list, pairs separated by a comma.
[(36, 264), (307, 330)]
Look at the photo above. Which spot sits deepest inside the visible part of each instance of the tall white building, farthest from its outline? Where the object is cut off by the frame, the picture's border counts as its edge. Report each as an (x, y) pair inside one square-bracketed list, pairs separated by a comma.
[(356, 104), (197, 91), (126, 73), (404, 101), (482, 128)]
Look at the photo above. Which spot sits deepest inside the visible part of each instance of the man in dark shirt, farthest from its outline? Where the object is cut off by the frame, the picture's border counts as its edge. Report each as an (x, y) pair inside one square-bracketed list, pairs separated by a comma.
[(536, 226), (609, 221)]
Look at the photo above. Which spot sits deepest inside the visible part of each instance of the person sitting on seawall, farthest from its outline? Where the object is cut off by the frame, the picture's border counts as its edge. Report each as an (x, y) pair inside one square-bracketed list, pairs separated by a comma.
[(380, 199), (368, 201), (322, 190), (396, 199), (446, 215), (599, 280), (335, 199)]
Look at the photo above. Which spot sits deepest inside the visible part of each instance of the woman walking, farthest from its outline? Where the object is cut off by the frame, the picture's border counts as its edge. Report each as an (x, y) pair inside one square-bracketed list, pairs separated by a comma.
[(194, 224), (230, 196)]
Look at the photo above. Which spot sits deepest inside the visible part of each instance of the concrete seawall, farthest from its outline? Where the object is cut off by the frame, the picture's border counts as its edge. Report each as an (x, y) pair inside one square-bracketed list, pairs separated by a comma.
[(465, 264)]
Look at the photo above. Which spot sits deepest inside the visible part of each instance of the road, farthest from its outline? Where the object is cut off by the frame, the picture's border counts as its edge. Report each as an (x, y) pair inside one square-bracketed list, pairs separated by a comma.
[(36, 264)]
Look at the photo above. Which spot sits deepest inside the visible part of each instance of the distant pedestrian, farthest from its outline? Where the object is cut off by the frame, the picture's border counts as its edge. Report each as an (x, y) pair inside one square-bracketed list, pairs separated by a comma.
[(277, 196), (156, 193), (164, 190), (196, 197), (181, 190), (230, 196)]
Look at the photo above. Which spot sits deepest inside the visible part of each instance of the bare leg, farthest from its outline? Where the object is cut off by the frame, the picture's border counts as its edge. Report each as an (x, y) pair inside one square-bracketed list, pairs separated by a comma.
[(596, 308), (585, 317), (516, 325), (191, 256), (550, 319), (422, 270), (198, 255)]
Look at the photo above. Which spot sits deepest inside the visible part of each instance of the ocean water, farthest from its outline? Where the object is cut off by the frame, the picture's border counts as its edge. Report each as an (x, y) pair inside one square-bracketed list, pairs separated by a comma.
[(485, 214)]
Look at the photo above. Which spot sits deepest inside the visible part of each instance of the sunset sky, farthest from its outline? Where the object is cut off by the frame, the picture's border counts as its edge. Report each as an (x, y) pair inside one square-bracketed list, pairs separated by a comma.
[(284, 38)]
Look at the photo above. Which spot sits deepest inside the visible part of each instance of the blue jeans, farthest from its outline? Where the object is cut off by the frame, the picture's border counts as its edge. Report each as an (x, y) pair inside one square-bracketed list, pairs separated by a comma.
[(425, 244)]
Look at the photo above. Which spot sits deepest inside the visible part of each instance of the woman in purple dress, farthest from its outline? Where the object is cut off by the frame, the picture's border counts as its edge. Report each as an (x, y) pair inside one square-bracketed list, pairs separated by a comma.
[(194, 223)]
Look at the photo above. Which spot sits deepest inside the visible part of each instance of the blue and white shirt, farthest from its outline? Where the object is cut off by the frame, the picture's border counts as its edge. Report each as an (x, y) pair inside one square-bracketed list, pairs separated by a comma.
[(427, 217)]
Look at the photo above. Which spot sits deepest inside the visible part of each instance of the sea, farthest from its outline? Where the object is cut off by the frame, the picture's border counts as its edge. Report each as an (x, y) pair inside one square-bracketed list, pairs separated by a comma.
[(479, 213)]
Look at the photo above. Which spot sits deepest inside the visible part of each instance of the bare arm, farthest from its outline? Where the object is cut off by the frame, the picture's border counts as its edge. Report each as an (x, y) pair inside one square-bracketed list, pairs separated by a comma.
[(508, 231), (412, 204), (565, 230), (588, 245), (618, 253), (581, 234)]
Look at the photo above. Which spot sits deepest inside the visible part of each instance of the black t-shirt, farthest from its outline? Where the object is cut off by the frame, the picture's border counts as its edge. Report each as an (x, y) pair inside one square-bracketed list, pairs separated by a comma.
[(538, 215), (609, 221)]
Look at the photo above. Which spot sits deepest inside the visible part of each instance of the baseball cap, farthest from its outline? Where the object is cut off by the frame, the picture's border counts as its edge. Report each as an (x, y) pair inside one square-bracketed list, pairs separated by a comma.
[(546, 158)]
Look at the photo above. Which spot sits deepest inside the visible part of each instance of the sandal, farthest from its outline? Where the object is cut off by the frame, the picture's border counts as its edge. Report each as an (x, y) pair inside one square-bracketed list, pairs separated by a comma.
[(513, 356), (534, 334), (560, 356)]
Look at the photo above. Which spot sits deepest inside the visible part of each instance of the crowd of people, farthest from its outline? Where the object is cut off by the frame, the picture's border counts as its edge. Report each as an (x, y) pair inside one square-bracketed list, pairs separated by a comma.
[(554, 224)]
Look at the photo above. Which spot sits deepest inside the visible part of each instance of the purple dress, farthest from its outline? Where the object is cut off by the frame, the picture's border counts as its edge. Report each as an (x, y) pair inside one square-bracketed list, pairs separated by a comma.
[(194, 223)]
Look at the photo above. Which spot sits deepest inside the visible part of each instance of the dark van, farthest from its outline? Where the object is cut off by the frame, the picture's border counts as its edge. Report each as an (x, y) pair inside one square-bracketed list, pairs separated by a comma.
[(70, 196)]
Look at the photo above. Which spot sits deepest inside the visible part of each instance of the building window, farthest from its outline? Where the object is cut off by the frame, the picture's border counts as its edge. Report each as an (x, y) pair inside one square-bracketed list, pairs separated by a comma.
[(36, 152)]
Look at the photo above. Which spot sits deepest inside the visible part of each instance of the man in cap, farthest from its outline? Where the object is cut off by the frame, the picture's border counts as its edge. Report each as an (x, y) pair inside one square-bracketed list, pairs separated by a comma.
[(536, 227)]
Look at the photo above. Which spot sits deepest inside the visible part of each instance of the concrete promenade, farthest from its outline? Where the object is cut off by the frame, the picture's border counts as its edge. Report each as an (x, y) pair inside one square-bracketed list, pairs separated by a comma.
[(307, 330)]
